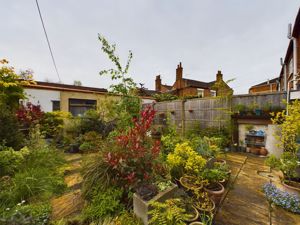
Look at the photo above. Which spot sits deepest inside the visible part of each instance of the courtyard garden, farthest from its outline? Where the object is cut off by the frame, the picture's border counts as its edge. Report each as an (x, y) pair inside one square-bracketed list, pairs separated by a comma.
[(130, 170)]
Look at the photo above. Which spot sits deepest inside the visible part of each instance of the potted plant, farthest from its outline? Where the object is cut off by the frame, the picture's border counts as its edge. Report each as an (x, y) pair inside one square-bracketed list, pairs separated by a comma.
[(240, 109), (191, 182), (142, 206), (214, 188), (263, 151), (242, 147), (288, 165), (188, 204), (267, 108), (169, 212), (204, 204)]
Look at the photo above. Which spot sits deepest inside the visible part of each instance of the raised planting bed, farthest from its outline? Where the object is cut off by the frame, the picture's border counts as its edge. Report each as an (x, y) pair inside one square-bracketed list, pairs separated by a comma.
[(141, 207)]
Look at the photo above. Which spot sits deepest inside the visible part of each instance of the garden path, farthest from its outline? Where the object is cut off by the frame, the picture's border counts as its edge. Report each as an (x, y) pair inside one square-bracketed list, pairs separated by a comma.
[(244, 202), (71, 202)]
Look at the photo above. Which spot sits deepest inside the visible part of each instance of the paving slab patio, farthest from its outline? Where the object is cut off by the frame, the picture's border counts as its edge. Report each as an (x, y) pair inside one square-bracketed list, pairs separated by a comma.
[(244, 202)]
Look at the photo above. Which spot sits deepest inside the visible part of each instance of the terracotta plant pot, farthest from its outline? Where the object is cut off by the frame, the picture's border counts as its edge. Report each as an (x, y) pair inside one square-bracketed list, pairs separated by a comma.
[(291, 187), (255, 150), (196, 223), (195, 215), (215, 191), (189, 183), (263, 151), (208, 209)]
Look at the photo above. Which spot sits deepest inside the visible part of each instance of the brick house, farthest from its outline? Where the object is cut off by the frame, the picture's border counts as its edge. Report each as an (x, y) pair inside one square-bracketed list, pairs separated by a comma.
[(187, 87), (291, 63), (265, 87)]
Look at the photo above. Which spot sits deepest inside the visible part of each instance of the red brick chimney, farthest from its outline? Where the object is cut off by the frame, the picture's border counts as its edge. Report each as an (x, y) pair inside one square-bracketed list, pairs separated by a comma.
[(158, 83), (219, 76), (179, 72)]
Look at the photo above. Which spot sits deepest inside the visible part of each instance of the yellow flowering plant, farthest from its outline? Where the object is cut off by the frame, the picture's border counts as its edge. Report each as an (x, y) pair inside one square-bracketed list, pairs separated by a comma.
[(184, 160), (289, 127), (11, 84)]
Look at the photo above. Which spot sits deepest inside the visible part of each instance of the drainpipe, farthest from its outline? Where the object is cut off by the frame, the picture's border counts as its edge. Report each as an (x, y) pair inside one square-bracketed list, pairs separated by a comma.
[(295, 62), (285, 79)]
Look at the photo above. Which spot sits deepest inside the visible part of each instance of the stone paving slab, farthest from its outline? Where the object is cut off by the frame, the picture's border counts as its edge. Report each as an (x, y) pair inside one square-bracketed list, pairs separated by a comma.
[(67, 205), (245, 203)]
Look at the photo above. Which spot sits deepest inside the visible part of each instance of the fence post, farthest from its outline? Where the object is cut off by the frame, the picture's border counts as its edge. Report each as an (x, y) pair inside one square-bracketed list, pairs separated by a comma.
[(183, 117)]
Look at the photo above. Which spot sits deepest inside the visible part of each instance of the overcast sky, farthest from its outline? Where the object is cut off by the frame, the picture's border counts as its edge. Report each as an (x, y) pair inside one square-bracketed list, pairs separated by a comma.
[(244, 39)]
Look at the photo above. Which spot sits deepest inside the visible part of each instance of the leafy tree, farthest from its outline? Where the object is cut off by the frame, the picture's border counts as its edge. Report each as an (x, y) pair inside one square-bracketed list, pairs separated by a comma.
[(11, 84), (290, 127), (125, 87)]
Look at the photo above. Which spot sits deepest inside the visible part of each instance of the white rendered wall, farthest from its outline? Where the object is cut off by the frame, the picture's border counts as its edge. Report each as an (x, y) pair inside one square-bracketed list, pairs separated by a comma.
[(272, 141), (42, 97), (270, 130)]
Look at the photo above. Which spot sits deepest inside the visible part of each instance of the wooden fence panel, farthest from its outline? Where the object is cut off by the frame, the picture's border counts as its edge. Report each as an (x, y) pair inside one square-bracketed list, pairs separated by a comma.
[(209, 112)]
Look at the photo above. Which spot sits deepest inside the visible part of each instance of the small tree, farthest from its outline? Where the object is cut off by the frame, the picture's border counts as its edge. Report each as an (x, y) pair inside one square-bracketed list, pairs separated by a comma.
[(289, 126), (11, 84), (130, 104)]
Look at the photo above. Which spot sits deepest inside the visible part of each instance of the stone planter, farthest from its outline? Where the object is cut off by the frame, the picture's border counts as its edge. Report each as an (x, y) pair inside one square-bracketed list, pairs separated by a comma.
[(142, 207)]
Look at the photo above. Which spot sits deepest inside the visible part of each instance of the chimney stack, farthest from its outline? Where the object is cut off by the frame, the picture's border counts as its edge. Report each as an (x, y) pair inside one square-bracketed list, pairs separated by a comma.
[(179, 72), (158, 83), (219, 76)]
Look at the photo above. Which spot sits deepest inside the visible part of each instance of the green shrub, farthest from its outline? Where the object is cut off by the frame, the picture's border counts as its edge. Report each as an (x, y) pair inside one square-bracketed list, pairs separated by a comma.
[(91, 141), (37, 214), (37, 177), (52, 124), (11, 160), (104, 204), (127, 218), (9, 128), (164, 97), (213, 175), (272, 162), (168, 213)]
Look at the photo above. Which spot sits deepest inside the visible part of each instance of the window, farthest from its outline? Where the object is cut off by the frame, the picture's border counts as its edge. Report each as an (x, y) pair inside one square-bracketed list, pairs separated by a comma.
[(79, 106), (55, 105), (213, 93), (200, 92)]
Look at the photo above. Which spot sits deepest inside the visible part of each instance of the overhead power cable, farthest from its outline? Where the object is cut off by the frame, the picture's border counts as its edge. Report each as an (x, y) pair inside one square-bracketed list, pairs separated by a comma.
[(48, 42)]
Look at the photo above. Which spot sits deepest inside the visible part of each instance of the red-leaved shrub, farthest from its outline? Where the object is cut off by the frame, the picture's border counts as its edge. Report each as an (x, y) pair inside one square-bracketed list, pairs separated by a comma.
[(134, 157), (29, 114)]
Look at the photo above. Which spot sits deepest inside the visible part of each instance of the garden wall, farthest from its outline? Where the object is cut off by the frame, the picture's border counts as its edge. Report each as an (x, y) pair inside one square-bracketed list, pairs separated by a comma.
[(209, 112)]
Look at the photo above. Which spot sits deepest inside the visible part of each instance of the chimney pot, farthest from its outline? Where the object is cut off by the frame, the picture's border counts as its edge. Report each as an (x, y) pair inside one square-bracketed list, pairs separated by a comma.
[(179, 72), (219, 75), (158, 83)]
